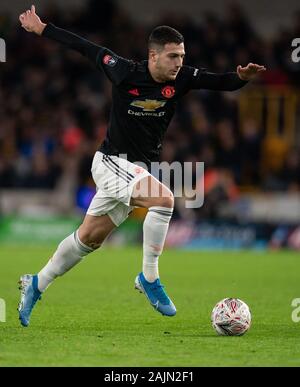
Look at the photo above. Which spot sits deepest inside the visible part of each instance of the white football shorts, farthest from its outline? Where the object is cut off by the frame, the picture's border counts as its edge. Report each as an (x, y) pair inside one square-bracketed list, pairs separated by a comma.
[(115, 179)]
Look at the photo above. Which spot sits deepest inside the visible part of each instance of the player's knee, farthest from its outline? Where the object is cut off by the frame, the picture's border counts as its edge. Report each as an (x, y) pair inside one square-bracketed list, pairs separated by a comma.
[(167, 201), (90, 238), (94, 244)]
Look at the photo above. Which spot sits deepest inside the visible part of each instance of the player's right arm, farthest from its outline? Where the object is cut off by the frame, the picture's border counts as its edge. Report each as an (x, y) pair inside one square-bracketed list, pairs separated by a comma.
[(115, 67)]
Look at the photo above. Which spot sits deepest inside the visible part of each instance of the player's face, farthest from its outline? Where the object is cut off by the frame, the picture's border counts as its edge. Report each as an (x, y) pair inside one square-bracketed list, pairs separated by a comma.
[(169, 61)]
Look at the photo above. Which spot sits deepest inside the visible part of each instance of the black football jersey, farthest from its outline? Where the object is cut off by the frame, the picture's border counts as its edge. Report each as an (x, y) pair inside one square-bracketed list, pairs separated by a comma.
[(141, 107)]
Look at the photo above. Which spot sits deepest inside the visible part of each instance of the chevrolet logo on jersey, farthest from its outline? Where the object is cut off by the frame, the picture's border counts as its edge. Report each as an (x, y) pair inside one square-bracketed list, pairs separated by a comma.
[(148, 105)]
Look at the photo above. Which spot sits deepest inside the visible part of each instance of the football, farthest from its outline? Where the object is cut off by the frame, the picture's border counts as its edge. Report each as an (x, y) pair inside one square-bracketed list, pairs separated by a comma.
[(231, 317)]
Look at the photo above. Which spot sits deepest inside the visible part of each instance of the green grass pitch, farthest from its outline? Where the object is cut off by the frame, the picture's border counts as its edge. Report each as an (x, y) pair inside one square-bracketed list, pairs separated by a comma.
[(93, 316)]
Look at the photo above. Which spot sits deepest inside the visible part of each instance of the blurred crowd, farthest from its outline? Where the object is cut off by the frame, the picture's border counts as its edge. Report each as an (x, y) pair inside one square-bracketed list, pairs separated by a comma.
[(54, 104)]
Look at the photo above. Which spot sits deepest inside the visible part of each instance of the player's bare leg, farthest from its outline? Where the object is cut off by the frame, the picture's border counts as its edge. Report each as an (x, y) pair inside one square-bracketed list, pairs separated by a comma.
[(150, 193), (69, 253)]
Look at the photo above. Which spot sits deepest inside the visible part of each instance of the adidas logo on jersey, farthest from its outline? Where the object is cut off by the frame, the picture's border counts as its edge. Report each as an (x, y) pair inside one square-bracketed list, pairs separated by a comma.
[(134, 92)]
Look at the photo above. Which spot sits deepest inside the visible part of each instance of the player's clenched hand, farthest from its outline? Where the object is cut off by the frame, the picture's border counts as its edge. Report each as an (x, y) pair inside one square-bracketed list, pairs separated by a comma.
[(31, 22), (249, 72)]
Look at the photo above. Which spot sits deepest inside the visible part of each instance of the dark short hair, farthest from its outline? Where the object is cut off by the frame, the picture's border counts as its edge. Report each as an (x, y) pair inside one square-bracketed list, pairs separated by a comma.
[(162, 35)]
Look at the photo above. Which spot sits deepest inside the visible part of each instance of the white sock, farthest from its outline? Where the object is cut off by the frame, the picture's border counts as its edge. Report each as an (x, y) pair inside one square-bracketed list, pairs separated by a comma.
[(155, 229), (69, 252)]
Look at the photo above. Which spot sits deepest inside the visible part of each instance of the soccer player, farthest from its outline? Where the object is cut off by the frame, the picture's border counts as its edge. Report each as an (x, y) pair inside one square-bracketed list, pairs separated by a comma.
[(144, 97)]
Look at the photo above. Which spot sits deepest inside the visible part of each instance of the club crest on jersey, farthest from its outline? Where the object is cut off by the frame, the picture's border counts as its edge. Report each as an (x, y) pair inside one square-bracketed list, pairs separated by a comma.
[(109, 60), (168, 91), (148, 105)]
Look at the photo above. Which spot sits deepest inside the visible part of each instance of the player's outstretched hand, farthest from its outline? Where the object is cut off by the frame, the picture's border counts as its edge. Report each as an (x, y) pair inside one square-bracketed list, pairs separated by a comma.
[(31, 22), (250, 71)]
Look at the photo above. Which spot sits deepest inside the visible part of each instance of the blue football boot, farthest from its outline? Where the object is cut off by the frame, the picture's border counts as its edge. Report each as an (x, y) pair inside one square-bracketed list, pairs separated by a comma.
[(156, 295), (29, 296)]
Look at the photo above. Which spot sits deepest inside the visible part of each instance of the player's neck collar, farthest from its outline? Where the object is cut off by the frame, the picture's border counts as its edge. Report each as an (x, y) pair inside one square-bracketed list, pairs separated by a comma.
[(145, 62)]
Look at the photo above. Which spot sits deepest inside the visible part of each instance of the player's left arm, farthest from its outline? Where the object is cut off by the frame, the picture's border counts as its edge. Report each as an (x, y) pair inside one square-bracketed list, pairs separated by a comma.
[(31, 22), (226, 81), (115, 67)]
